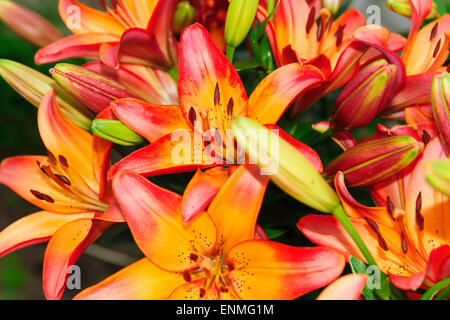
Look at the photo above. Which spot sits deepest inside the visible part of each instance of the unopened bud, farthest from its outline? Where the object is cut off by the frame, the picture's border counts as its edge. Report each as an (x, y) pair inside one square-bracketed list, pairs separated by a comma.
[(115, 131), (240, 17), (184, 16), (403, 7), (437, 174), (440, 100), (92, 89), (33, 85), (294, 173), (374, 160), (363, 97)]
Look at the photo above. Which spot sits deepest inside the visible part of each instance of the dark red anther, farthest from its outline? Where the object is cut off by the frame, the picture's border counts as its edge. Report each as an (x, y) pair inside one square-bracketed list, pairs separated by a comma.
[(426, 137), (319, 31), (419, 217), (42, 196), (223, 289), (192, 116), (217, 95), (372, 224), (339, 35), (51, 156), (63, 179), (434, 31), (202, 292), (311, 19), (437, 48), (390, 207), (63, 161), (230, 266), (193, 257), (404, 245), (230, 107), (382, 242), (329, 22), (187, 276)]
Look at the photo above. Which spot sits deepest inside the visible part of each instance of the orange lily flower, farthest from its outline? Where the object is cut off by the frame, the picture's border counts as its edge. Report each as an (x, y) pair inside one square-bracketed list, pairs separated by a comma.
[(348, 287), (424, 55), (212, 94), (337, 47), (129, 31), (410, 242), (216, 255), (69, 186)]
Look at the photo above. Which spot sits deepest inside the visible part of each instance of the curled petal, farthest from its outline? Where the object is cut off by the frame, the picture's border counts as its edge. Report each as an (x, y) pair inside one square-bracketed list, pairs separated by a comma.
[(348, 287)]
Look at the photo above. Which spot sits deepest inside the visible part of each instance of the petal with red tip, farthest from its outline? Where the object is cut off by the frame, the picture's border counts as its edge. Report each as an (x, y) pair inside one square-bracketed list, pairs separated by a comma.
[(63, 249), (276, 92), (154, 217), (236, 207), (439, 264), (274, 271), (201, 190), (348, 287), (76, 46), (150, 121), (140, 281), (35, 228), (207, 79)]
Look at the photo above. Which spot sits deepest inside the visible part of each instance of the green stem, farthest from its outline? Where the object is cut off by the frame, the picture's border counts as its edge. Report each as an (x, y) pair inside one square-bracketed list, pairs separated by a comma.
[(322, 138), (444, 294), (270, 6), (230, 53), (434, 289), (340, 214)]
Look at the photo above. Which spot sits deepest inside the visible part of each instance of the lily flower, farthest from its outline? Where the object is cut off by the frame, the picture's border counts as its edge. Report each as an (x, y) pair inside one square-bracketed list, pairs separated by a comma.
[(69, 186), (409, 243), (216, 255), (129, 31), (348, 287), (211, 95), (335, 46), (424, 55)]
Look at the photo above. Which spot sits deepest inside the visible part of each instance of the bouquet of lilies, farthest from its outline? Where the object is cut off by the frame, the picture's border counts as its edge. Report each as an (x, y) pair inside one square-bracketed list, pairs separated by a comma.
[(186, 120)]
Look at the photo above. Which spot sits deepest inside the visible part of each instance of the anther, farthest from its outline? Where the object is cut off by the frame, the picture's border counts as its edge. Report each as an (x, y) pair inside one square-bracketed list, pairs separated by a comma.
[(230, 266), (230, 107), (63, 179), (339, 35), (187, 276), (202, 292), (217, 95), (404, 245), (426, 137), (42, 196), (223, 289), (193, 257), (419, 218), (390, 207), (372, 224), (311, 18), (192, 115), (63, 161), (437, 48), (382, 242), (434, 31)]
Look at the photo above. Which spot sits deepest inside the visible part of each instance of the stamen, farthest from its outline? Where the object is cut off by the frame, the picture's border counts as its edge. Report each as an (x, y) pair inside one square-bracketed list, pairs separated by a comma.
[(193, 257), (63, 179), (436, 49), (329, 22), (217, 95), (339, 35), (319, 31), (187, 276), (63, 161), (192, 115), (230, 107), (223, 289), (311, 18), (382, 242), (372, 224), (230, 266), (404, 245), (419, 218), (42, 196), (434, 31), (51, 156), (426, 137), (202, 292), (390, 207)]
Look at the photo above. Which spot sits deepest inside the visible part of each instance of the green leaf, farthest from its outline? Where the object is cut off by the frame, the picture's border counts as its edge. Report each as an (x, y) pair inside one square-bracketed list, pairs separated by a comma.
[(360, 267), (273, 233), (246, 65)]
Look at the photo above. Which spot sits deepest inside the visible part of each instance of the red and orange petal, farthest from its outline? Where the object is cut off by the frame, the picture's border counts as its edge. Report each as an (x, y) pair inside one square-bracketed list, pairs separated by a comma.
[(426, 218), (71, 146), (236, 206), (275, 271), (63, 249), (150, 121), (201, 190), (154, 217), (35, 228), (348, 287), (278, 90), (23, 175), (207, 79), (140, 281)]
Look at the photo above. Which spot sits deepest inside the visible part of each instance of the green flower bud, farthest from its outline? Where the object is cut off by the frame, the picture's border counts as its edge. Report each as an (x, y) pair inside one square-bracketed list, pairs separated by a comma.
[(184, 16), (240, 17), (115, 131)]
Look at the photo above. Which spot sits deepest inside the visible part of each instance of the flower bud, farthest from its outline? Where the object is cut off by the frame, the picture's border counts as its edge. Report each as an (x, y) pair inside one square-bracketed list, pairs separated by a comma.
[(437, 174), (184, 16), (440, 101), (293, 172), (28, 24), (115, 131), (92, 89), (403, 7), (363, 97), (332, 5), (374, 160), (240, 17), (33, 85)]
